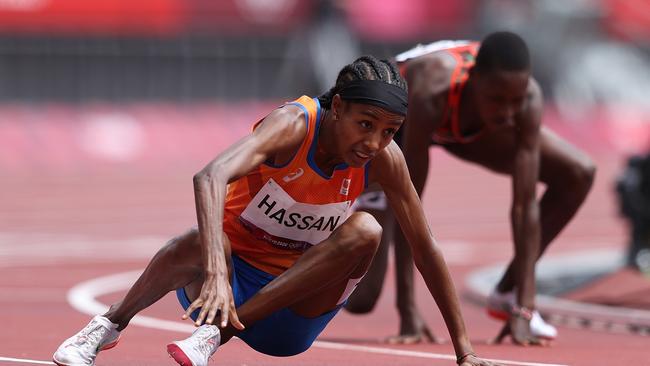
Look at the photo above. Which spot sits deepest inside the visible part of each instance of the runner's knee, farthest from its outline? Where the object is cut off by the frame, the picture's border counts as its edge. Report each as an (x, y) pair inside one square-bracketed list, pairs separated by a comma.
[(363, 299), (184, 248), (360, 235), (571, 176), (588, 174), (580, 177)]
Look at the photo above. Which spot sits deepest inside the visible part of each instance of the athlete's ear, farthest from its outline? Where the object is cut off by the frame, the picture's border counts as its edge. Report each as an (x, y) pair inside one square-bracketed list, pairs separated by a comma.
[(337, 106)]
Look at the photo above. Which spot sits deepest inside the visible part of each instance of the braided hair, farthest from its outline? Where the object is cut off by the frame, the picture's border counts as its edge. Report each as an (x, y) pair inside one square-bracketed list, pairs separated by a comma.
[(364, 68)]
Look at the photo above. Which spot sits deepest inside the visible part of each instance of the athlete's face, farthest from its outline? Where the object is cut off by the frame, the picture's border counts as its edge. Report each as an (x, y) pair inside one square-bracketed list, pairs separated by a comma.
[(500, 95), (363, 130)]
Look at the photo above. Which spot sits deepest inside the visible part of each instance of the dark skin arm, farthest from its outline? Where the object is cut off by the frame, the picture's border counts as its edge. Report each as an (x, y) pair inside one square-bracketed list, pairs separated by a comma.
[(390, 171), (423, 78), (281, 131), (423, 115), (524, 213)]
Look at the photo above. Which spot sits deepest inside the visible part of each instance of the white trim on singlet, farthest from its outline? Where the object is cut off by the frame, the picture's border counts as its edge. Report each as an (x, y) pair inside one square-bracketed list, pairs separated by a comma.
[(421, 49)]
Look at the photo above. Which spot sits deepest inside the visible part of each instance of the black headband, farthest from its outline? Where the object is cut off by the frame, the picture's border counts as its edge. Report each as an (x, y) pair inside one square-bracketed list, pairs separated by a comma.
[(378, 93)]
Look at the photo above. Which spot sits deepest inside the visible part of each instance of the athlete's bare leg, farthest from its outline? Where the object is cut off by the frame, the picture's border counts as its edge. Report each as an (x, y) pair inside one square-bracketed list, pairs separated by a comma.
[(314, 284), (568, 174), (175, 265), (364, 298), (412, 328)]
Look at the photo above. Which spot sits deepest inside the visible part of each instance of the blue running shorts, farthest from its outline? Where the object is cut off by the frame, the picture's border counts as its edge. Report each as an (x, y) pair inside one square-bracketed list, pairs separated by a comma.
[(283, 333)]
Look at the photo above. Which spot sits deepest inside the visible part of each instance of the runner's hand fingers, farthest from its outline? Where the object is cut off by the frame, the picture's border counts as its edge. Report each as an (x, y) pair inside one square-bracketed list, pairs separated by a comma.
[(404, 339), (193, 306), (522, 342), (212, 313), (225, 312), (234, 318), (476, 361), (430, 338), (536, 341), (489, 363), (207, 305)]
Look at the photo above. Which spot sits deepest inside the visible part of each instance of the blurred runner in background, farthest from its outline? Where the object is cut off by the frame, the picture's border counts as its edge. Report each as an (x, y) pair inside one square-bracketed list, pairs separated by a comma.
[(480, 102)]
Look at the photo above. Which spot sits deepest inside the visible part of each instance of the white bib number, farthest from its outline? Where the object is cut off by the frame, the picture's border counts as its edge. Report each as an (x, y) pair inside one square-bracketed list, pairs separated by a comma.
[(277, 218)]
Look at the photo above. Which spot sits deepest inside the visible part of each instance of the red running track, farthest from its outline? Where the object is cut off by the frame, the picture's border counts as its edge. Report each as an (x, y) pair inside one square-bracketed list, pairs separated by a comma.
[(61, 228)]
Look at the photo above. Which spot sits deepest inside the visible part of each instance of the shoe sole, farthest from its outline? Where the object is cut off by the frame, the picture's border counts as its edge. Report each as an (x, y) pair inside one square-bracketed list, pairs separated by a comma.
[(498, 314), (106, 347), (178, 355)]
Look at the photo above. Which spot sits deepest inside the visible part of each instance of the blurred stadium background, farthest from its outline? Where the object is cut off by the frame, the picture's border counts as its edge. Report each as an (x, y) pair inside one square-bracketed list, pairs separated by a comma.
[(116, 88), (126, 64), (108, 107)]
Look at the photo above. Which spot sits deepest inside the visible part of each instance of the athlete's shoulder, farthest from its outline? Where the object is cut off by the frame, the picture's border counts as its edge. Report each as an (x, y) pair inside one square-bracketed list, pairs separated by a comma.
[(283, 131), (292, 119), (535, 96), (534, 89), (310, 104), (430, 74)]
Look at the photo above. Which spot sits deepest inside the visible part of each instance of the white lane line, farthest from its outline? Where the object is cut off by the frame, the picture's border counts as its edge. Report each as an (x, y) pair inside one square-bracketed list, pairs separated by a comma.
[(24, 360), (399, 352), (83, 297)]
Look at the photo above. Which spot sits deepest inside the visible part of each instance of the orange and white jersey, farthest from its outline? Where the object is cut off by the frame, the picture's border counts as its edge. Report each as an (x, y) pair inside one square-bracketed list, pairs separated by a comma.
[(275, 213), (464, 52)]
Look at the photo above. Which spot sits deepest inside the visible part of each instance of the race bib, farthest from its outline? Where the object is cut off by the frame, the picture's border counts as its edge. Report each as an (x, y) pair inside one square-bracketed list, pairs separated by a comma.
[(275, 217)]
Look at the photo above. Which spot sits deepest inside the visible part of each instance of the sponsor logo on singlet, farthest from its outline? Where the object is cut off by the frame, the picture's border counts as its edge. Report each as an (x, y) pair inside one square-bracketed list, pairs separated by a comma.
[(293, 176), (275, 217)]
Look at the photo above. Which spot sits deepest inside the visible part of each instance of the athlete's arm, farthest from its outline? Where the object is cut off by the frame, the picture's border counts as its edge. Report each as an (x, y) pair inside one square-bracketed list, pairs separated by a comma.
[(390, 171), (282, 130), (423, 79), (524, 212)]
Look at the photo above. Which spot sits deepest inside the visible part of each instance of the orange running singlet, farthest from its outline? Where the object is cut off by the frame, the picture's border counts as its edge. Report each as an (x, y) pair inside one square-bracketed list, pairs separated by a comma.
[(464, 52), (275, 213)]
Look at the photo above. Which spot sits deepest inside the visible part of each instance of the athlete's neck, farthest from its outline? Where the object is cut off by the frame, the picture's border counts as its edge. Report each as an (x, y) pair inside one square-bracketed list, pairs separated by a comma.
[(469, 120), (325, 157)]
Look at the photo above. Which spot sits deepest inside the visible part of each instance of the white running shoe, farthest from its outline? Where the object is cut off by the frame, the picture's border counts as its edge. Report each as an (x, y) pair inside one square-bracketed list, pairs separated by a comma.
[(197, 349), (500, 304), (82, 348), (540, 328)]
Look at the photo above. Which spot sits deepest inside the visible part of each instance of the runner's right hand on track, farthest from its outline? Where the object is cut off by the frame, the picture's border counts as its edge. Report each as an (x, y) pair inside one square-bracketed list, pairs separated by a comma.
[(473, 360), (518, 328), (424, 335), (216, 295)]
